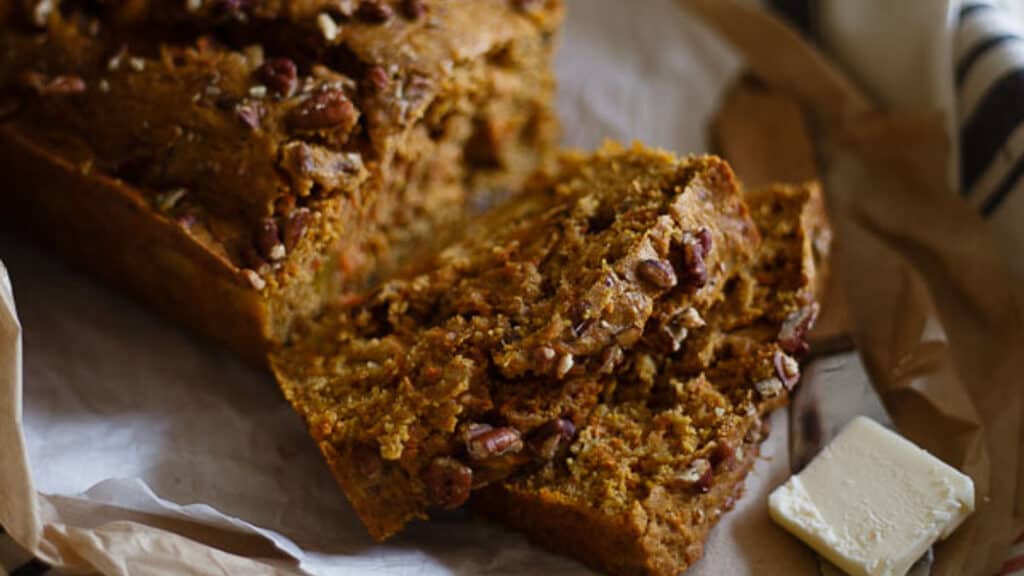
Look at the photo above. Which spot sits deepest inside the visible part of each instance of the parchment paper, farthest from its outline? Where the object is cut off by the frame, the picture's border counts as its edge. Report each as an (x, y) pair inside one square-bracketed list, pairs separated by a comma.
[(152, 452)]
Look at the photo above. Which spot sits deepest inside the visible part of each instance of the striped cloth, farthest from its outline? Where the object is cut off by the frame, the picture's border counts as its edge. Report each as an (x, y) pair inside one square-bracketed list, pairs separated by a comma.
[(989, 77), (989, 83)]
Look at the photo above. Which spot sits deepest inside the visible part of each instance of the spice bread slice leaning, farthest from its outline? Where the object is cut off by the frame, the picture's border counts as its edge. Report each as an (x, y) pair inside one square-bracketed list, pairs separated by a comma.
[(650, 471), (442, 382)]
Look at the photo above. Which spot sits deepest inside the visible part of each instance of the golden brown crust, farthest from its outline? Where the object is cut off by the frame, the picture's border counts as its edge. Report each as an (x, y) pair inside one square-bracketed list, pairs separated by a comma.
[(109, 228)]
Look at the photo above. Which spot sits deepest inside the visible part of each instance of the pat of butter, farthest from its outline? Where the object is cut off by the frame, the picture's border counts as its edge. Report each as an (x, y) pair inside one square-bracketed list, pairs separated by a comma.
[(872, 502)]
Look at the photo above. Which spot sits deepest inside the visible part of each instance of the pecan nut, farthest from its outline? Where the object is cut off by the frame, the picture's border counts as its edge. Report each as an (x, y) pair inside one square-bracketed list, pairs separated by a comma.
[(250, 114), (657, 273), (56, 86), (769, 387), (268, 240), (484, 441), (378, 79), (698, 475), (448, 482), (610, 359), (367, 461), (295, 227), (413, 9), (375, 11), (327, 110), (543, 359), (696, 248), (793, 333), (553, 438), (280, 75), (787, 369)]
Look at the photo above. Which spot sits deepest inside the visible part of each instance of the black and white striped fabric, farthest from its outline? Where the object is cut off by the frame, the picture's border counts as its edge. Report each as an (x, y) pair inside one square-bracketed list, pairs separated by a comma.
[(989, 52), (990, 95)]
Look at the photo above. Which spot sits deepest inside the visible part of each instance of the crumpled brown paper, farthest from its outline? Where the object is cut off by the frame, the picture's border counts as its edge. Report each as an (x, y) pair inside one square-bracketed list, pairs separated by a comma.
[(931, 306)]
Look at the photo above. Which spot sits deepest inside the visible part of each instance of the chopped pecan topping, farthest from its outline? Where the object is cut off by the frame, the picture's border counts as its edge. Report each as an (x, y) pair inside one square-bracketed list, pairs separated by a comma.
[(705, 239), (698, 475), (787, 369), (254, 279), (280, 75), (553, 438), (55, 86), (543, 359), (329, 109), (793, 334), (367, 461), (671, 337), (628, 337), (416, 89), (295, 227), (448, 482), (268, 240), (413, 9), (328, 27), (770, 387), (378, 79), (484, 441), (723, 455), (691, 318), (695, 250), (565, 364), (375, 11), (610, 359), (249, 113), (657, 273)]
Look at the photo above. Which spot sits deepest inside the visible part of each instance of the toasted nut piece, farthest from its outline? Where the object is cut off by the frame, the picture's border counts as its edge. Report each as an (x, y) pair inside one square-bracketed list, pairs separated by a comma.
[(367, 461), (543, 359), (448, 482), (280, 75), (552, 438), (770, 387), (793, 334), (295, 227), (413, 9), (268, 240), (657, 273), (610, 359), (697, 475), (695, 250), (254, 279), (484, 441), (375, 11), (329, 109), (787, 369), (691, 318), (565, 363)]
